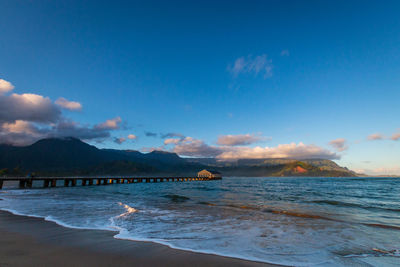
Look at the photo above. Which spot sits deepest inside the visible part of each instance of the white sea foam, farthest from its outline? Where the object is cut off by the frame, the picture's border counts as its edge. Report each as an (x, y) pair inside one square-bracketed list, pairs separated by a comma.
[(58, 222), (129, 210)]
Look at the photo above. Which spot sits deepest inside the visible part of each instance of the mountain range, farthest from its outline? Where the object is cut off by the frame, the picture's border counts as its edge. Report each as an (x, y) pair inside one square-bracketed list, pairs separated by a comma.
[(71, 156)]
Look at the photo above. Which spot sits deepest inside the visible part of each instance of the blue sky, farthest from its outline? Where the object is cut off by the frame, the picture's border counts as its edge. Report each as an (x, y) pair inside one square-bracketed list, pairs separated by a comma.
[(230, 79)]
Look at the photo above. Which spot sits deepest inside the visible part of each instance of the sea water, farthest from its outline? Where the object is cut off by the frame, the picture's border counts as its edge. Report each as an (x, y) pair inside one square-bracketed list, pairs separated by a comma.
[(290, 221)]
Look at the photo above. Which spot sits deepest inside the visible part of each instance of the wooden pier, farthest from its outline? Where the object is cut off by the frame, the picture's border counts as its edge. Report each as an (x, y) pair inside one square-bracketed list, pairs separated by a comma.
[(27, 182)]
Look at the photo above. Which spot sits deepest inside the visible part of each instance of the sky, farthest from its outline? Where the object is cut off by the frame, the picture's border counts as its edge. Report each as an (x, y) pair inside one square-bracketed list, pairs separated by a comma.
[(224, 79)]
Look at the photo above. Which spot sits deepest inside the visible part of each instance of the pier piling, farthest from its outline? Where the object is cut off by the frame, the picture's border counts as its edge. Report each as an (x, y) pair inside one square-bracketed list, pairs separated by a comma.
[(25, 182), (46, 183)]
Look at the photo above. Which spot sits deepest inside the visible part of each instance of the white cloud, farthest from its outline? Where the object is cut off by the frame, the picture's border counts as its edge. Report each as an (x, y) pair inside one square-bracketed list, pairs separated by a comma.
[(70, 105), (28, 107), (339, 144), (375, 136), (111, 124), (5, 86), (132, 136), (252, 65), (239, 140)]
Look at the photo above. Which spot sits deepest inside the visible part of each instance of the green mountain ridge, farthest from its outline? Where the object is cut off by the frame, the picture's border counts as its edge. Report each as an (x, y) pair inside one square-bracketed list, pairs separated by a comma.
[(71, 156)]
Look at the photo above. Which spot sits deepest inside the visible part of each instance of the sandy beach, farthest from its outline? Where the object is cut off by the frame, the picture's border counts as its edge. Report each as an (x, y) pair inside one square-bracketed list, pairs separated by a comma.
[(27, 241)]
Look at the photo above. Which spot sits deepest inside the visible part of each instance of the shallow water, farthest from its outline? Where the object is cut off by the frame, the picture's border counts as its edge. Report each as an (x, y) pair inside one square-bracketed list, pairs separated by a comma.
[(292, 221)]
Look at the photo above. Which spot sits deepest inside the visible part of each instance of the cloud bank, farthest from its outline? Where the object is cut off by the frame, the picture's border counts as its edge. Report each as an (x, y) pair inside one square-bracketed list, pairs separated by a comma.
[(189, 146), (26, 118), (292, 150)]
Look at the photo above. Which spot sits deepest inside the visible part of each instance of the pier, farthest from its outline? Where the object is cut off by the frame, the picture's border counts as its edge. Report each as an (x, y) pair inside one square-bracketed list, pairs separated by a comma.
[(27, 182)]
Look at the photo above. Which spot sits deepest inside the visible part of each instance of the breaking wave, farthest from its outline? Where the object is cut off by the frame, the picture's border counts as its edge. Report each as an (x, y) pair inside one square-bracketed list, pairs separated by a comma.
[(129, 210)]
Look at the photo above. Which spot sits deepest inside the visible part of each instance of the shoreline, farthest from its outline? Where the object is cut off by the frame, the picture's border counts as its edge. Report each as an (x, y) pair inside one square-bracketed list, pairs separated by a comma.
[(32, 241)]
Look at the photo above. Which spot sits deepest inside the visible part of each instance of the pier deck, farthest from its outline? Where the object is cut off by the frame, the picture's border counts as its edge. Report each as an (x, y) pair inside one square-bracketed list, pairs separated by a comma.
[(27, 182)]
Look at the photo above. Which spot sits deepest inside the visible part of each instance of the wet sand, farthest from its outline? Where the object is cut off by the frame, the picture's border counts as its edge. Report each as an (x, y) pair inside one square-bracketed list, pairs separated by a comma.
[(27, 241)]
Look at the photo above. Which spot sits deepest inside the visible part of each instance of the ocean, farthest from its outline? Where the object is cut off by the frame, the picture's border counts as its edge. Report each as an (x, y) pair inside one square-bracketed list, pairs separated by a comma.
[(289, 221)]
